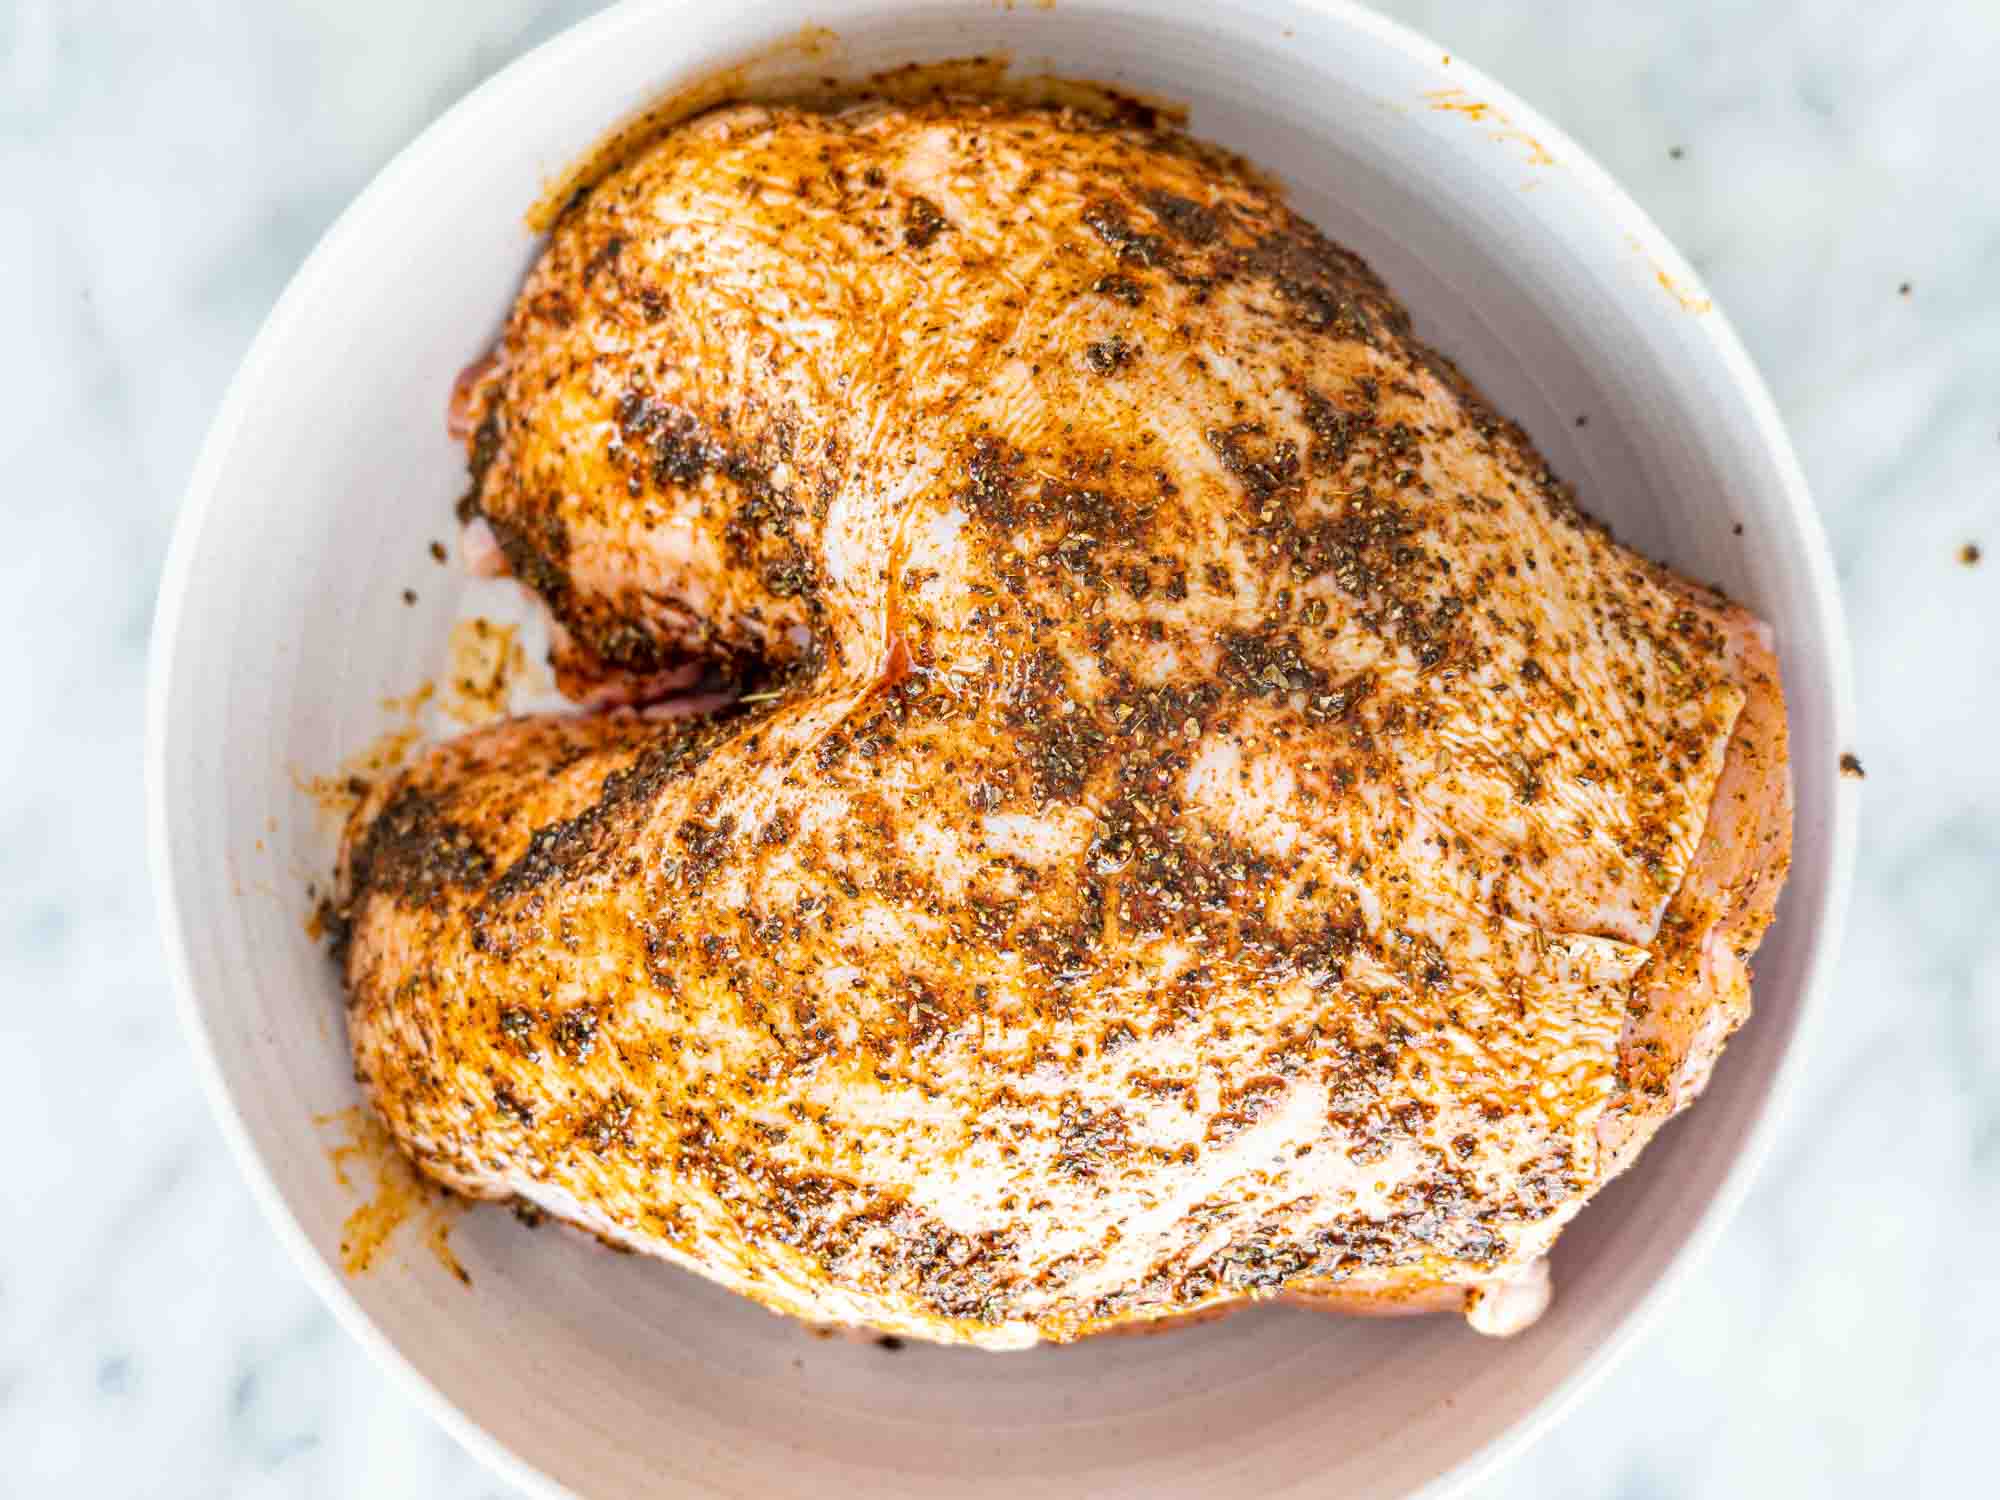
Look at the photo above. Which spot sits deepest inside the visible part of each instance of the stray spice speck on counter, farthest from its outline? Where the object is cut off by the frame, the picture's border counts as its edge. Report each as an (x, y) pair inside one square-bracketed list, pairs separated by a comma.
[(1850, 766), (1970, 554)]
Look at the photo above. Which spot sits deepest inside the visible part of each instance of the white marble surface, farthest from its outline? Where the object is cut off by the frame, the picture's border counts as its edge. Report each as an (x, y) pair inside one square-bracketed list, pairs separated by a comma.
[(164, 170)]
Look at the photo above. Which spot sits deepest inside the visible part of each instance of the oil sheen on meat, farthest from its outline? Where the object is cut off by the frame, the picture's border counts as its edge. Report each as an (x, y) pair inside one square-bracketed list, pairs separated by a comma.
[(1212, 820)]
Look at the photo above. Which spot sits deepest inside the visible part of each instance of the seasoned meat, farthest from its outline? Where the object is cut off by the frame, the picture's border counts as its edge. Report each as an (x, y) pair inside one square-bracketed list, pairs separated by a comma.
[(1207, 816)]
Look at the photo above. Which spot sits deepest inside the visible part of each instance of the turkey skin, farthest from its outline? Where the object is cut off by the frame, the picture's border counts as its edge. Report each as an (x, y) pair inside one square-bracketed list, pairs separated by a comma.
[(1170, 802)]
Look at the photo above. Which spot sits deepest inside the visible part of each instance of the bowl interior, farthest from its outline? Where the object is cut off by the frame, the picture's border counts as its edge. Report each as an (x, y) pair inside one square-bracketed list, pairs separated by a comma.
[(283, 630)]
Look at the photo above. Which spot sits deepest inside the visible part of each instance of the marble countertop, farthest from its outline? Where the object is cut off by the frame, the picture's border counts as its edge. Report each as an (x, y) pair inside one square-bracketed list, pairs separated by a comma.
[(1829, 168)]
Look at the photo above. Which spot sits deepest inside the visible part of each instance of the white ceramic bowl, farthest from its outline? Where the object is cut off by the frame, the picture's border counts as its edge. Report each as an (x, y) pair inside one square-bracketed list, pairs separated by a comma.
[(281, 630)]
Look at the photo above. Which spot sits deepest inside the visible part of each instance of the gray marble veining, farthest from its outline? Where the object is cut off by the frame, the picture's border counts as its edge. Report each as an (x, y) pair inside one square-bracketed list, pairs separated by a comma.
[(1830, 168)]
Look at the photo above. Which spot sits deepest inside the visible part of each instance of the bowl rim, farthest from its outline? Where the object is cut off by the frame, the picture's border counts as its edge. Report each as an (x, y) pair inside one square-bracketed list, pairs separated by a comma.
[(1782, 1087)]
